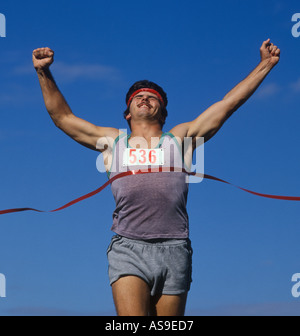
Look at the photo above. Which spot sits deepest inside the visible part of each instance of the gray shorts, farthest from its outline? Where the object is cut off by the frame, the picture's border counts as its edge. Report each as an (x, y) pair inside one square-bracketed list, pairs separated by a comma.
[(165, 265)]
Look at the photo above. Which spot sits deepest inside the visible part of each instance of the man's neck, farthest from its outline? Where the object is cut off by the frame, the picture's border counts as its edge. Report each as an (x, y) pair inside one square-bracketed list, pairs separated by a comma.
[(146, 130), (150, 132)]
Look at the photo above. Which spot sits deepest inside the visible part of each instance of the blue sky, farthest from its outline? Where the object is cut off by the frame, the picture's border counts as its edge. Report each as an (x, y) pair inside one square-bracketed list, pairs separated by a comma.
[(246, 248)]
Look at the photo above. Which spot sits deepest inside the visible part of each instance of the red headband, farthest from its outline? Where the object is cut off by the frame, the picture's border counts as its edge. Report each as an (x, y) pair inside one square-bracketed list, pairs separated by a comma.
[(147, 90)]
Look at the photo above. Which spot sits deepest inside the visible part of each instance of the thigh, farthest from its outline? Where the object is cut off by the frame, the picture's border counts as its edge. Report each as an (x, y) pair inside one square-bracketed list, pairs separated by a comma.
[(131, 296), (169, 305)]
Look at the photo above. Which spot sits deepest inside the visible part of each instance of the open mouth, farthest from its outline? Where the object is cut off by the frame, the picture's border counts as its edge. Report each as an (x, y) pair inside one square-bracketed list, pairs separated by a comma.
[(144, 104)]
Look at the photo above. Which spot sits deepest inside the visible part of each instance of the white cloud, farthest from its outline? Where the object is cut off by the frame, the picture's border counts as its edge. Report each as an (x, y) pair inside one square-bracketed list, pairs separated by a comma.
[(86, 71), (16, 95), (72, 72), (268, 90), (296, 86)]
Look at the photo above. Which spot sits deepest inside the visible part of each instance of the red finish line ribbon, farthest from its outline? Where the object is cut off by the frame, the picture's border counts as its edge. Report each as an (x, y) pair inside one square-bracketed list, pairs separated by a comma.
[(147, 171)]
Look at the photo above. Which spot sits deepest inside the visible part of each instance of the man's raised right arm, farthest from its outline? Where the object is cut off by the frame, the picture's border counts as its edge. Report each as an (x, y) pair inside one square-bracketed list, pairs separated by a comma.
[(78, 129)]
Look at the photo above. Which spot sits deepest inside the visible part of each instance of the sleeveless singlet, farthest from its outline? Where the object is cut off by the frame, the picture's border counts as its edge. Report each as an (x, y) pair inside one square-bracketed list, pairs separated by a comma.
[(150, 206)]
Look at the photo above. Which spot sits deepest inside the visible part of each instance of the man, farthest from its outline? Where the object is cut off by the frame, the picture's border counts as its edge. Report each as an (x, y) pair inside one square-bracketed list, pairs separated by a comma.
[(150, 257)]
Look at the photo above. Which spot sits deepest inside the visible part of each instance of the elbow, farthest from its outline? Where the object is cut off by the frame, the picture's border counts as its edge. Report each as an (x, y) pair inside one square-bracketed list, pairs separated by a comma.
[(58, 115), (57, 120), (211, 133)]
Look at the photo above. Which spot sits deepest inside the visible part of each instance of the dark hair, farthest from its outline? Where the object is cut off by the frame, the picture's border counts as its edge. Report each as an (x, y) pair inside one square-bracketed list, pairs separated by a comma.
[(149, 85)]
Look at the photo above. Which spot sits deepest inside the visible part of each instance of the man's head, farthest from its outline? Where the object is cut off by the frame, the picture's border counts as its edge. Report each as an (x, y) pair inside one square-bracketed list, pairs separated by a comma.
[(148, 99)]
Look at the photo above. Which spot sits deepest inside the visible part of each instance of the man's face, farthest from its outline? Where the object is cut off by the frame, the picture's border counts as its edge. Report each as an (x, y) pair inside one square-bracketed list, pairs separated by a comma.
[(144, 105)]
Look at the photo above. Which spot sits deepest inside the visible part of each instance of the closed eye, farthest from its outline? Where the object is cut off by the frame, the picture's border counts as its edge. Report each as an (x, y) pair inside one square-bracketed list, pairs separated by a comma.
[(149, 97)]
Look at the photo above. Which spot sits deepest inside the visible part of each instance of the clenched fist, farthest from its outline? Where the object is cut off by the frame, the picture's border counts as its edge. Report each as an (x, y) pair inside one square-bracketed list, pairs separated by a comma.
[(42, 58), (270, 52)]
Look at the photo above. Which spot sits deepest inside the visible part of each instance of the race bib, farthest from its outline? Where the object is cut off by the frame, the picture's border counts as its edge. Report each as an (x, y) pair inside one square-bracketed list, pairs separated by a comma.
[(143, 157)]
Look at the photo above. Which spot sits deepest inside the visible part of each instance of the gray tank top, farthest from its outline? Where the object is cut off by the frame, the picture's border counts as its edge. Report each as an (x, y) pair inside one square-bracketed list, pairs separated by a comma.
[(150, 206)]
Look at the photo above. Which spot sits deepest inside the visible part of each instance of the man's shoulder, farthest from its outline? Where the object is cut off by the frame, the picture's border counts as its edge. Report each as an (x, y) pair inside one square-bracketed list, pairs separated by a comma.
[(180, 131), (109, 137)]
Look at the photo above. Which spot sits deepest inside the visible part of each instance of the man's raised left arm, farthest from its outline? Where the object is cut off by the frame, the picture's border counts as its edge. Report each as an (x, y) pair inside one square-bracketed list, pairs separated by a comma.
[(211, 120)]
